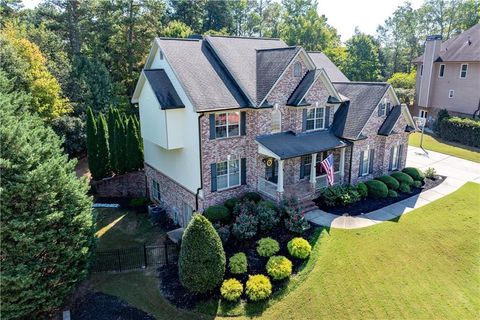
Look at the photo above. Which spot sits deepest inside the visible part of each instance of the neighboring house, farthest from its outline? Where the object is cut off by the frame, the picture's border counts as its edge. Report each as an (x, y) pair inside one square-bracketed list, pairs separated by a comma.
[(448, 76), (221, 116)]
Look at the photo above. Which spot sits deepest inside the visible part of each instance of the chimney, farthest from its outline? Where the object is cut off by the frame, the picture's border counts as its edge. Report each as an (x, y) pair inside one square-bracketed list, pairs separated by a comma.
[(432, 52)]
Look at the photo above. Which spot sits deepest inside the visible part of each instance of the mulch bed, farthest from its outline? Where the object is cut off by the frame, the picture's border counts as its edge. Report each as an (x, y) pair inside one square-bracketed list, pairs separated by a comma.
[(174, 292), (369, 204)]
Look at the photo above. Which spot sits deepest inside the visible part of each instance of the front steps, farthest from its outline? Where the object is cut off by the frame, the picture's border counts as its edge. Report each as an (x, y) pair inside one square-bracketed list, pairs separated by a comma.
[(307, 205)]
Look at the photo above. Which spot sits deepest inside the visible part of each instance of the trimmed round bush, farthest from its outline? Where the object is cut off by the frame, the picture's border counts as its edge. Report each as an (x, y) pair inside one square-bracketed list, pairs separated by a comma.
[(299, 248), (217, 214), (238, 263), (404, 187), (231, 289), (201, 264), (267, 215), (258, 287), (267, 247), (362, 189), (392, 193), (279, 267), (377, 189), (245, 226), (252, 196), (415, 173), (391, 182), (230, 204), (402, 178), (417, 184)]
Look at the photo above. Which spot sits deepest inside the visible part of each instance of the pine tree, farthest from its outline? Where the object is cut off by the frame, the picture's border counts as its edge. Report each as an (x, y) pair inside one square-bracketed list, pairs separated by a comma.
[(131, 156), (103, 147), (92, 145), (120, 146), (111, 138), (140, 161)]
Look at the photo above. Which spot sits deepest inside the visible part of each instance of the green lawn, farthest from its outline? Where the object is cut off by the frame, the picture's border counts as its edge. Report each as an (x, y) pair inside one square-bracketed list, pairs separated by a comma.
[(451, 148), (425, 265)]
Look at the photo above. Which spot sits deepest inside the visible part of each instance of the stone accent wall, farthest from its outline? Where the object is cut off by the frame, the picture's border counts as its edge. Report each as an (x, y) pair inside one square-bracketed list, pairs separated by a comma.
[(173, 195), (130, 185)]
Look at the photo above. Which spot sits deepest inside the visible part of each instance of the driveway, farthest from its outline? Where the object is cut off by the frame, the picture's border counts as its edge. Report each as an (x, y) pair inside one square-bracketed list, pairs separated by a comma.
[(458, 172)]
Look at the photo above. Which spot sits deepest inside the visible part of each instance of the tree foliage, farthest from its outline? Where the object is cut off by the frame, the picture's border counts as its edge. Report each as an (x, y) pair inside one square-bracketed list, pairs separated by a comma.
[(362, 62)]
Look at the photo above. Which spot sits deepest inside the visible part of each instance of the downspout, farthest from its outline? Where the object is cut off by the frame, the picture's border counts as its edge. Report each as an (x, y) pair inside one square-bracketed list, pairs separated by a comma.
[(200, 161)]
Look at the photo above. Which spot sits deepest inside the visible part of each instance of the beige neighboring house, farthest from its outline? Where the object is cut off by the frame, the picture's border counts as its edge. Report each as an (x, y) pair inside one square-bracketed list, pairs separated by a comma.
[(448, 76)]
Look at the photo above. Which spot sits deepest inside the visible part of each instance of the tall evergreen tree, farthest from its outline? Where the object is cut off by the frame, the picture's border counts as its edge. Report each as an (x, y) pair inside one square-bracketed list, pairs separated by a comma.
[(131, 146), (111, 138), (103, 146), (120, 147), (362, 58), (92, 145)]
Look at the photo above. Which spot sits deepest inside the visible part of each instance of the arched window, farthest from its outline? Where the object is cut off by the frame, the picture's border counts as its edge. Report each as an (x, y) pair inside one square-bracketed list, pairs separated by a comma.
[(276, 119), (297, 69)]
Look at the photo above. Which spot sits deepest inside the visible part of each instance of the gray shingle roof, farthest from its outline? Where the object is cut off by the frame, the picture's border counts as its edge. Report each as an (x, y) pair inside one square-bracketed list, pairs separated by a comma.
[(387, 126), (458, 49), (239, 55), (205, 81), (352, 116), (290, 145), (303, 87), (166, 94), (322, 61), (270, 65)]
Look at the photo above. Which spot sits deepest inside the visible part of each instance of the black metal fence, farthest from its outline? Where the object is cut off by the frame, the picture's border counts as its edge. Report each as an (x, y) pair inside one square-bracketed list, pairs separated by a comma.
[(135, 258)]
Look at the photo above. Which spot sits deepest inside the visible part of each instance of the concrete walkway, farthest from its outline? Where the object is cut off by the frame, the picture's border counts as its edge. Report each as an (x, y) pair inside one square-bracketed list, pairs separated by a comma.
[(458, 172)]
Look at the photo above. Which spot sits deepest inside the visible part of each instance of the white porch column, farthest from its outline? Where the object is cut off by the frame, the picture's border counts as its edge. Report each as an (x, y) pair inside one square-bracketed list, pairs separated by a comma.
[(313, 171), (280, 176), (342, 163)]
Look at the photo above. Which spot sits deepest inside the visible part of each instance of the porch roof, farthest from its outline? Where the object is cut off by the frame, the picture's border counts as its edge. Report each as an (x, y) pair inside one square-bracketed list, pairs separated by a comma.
[(287, 145)]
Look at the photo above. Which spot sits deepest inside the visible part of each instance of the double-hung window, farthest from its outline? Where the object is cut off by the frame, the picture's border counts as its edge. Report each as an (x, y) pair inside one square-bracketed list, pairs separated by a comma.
[(394, 154), (315, 119), (450, 93), (463, 71), (155, 190), (366, 162), (228, 174), (227, 124), (441, 71)]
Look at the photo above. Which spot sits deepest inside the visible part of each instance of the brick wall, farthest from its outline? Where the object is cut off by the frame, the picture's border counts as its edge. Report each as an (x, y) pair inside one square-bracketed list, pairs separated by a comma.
[(130, 185)]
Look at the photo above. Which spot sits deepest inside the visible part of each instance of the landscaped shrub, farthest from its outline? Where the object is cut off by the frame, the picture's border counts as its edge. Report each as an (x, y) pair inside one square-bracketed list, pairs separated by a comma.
[(258, 287), (377, 189), (391, 182), (217, 214), (441, 115), (299, 248), (404, 187), (279, 267), (362, 189), (238, 263), (392, 193), (252, 196), (267, 215), (294, 219), (402, 178), (430, 173), (267, 247), (223, 231), (417, 184), (342, 195), (463, 130), (415, 173), (201, 264), (245, 207), (245, 226), (230, 204), (138, 202), (231, 289)]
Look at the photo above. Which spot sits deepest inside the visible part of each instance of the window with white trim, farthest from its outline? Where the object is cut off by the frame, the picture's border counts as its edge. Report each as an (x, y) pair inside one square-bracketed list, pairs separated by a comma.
[(382, 109), (450, 93), (276, 119), (441, 71), (227, 124), (422, 113), (315, 119), (228, 174), (297, 69), (365, 168), (155, 190), (395, 154), (463, 71)]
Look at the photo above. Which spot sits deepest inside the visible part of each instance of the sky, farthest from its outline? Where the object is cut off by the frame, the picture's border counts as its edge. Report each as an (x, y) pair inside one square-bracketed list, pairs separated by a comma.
[(344, 15)]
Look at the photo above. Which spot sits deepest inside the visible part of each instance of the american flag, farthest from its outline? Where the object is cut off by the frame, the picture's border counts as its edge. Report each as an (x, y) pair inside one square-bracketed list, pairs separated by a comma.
[(327, 165)]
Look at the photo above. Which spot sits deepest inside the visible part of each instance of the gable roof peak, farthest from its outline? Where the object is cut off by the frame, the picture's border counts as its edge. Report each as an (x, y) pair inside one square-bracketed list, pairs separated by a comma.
[(241, 37)]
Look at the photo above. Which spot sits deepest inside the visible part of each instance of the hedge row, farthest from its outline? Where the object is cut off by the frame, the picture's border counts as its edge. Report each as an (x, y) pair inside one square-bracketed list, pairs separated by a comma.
[(463, 130)]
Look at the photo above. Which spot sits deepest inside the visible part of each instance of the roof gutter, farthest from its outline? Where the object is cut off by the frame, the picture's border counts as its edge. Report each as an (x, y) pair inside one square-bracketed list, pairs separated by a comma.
[(200, 161)]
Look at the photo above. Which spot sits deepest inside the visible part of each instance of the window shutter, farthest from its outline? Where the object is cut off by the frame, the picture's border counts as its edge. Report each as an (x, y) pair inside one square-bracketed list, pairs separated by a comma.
[(327, 117), (212, 126), (304, 120), (243, 123), (302, 168), (361, 164), (243, 170), (390, 162), (213, 169), (371, 160), (399, 160)]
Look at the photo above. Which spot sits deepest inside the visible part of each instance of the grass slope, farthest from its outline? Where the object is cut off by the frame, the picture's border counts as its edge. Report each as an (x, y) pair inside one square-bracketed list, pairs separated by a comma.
[(450, 148)]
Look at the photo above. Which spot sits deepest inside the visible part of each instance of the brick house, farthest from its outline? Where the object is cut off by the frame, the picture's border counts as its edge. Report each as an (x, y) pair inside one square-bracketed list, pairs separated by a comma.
[(221, 116)]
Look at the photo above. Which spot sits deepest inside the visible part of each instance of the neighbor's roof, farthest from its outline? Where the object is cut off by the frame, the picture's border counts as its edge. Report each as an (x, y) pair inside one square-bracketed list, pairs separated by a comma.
[(163, 88), (462, 48), (288, 145), (205, 81), (392, 117), (322, 61), (352, 116)]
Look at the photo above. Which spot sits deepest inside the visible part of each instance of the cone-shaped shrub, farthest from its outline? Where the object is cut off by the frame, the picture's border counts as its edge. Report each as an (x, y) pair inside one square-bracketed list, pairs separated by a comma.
[(92, 145), (103, 147), (201, 265)]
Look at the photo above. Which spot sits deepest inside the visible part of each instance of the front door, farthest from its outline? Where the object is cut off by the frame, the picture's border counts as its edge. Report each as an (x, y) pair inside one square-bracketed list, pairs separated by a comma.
[(271, 170)]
